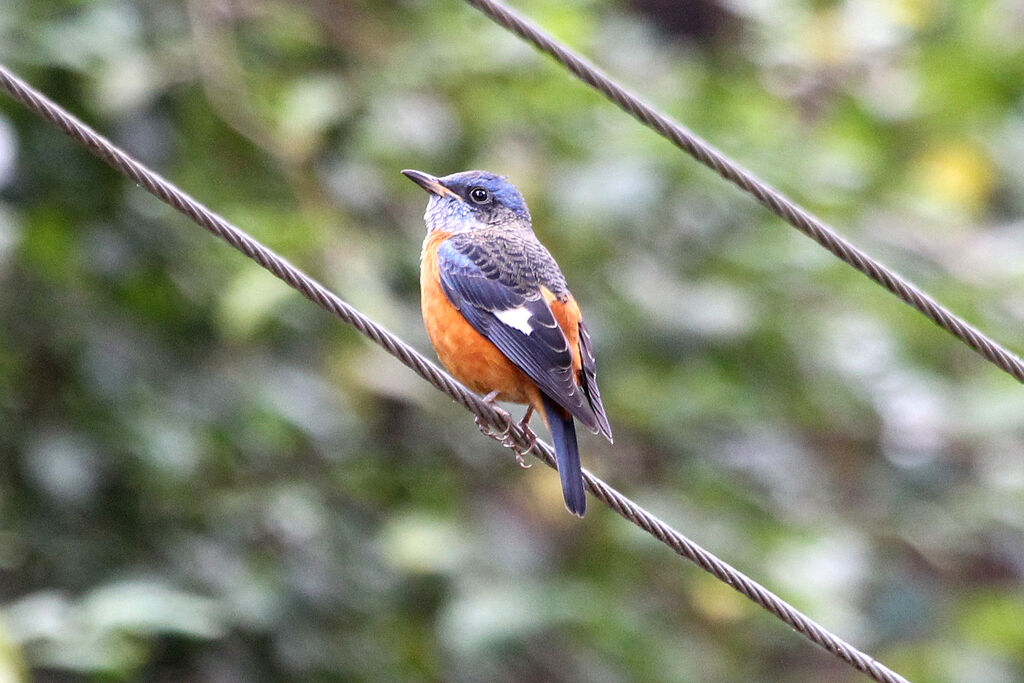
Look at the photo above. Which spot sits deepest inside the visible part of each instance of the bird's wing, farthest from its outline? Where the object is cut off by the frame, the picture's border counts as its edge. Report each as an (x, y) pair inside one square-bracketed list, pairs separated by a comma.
[(515, 319), (590, 382)]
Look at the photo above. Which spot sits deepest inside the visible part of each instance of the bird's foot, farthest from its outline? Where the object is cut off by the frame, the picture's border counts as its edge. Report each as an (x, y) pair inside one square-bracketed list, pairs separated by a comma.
[(522, 452), (531, 438), (485, 428), (504, 436)]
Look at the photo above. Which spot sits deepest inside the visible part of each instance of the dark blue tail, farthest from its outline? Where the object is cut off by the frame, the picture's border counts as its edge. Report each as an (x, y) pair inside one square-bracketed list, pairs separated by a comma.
[(567, 456)]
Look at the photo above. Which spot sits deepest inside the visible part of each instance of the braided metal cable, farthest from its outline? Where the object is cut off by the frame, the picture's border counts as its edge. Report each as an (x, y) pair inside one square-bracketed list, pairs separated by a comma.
[(491, 415), (776, 202)]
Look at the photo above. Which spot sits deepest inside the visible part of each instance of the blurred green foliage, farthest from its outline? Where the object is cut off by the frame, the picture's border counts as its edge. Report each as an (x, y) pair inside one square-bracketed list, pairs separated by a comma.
[(206, 478)]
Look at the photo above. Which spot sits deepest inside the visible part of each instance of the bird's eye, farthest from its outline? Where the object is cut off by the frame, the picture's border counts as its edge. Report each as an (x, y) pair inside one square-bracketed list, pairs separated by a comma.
[(479, 195)]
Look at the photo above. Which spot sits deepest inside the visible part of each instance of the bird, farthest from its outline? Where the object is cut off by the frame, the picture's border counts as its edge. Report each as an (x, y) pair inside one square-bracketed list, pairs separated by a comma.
[(500, 315)]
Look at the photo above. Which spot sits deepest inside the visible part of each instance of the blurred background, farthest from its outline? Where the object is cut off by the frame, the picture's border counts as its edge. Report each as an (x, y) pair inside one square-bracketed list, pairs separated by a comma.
[(204, 477)]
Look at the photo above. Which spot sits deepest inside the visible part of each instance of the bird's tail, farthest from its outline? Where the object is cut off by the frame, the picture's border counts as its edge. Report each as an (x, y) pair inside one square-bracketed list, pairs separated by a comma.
[(567, 456)]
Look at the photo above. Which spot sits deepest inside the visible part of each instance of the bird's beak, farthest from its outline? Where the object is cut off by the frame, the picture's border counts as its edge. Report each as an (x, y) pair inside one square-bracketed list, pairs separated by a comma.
[(429, 183)]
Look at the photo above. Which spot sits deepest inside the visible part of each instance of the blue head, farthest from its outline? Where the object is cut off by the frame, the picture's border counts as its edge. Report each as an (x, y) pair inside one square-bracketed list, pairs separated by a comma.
[(472, 199)]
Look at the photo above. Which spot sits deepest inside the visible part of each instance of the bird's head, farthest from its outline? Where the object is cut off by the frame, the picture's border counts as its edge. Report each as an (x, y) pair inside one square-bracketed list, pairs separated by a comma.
[(472, 199)]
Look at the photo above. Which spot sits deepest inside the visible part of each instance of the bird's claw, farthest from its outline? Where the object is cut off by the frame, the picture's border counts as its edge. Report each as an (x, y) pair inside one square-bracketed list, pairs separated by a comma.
[(500, 436), (504, 436), (522, 452)]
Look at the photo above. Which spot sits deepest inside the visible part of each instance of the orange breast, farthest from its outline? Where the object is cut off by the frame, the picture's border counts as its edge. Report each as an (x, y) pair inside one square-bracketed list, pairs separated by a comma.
[(466, 353)]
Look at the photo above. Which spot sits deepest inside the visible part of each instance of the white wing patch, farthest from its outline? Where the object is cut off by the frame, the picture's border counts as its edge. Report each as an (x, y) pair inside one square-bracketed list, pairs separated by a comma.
[(518, 318)]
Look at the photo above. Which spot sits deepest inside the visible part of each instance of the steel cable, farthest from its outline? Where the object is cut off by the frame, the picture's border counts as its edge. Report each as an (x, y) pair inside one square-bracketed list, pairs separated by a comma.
[(776, 202), (491, 415)]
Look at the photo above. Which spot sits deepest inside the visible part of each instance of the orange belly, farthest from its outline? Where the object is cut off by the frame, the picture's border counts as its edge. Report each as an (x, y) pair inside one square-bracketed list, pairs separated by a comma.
[(467, 354)]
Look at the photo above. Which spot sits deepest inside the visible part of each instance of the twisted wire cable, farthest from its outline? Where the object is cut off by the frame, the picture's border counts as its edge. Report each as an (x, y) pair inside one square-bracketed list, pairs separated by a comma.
[(774, 200), (491, 415)]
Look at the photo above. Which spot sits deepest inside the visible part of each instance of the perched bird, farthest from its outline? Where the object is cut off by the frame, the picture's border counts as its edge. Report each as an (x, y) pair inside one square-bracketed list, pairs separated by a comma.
[(500, 316)]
